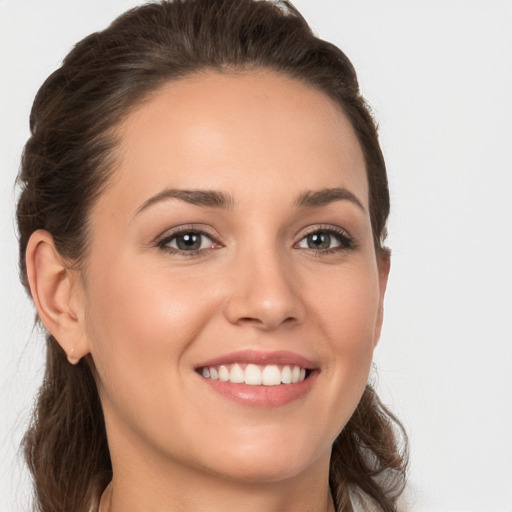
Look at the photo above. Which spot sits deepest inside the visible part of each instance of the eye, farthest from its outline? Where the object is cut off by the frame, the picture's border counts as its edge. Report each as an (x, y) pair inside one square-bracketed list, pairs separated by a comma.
[(187, 242), (326, 240)]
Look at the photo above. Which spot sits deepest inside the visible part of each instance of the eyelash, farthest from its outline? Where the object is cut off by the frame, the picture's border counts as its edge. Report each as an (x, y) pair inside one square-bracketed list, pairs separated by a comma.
[(164, 242), (346, 242)]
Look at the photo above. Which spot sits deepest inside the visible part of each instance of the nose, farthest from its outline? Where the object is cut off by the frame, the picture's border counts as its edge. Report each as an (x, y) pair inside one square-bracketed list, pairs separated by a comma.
[(265, 293)]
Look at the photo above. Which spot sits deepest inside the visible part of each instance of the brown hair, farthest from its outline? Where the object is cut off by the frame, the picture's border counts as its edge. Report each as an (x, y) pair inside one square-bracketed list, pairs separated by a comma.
[(68, 160)]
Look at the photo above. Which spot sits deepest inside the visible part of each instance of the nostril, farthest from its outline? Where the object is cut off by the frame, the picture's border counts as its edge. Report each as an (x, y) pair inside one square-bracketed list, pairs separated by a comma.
[(267, 322)]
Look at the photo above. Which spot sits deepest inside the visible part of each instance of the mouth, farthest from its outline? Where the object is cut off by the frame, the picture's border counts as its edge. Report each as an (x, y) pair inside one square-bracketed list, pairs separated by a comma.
[(254, 374), (261, 379)]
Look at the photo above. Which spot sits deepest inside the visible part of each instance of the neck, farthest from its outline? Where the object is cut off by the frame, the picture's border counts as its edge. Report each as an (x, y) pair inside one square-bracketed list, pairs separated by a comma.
[(186, 489), (113, 501)]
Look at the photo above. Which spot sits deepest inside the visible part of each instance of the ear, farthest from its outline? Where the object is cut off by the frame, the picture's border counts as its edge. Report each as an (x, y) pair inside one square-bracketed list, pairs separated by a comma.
[(57, 294), (383, 266)]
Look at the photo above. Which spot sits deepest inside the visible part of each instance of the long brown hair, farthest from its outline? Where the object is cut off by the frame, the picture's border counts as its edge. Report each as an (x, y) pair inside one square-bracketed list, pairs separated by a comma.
[(67, 162)]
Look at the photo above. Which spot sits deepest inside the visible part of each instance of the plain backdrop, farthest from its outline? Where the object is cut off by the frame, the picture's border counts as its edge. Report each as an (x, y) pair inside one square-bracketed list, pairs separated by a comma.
[(438, 75)]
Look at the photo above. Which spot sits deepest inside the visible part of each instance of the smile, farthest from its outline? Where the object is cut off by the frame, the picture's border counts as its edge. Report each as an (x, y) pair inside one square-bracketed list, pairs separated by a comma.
[(258, 378), (255, 375)]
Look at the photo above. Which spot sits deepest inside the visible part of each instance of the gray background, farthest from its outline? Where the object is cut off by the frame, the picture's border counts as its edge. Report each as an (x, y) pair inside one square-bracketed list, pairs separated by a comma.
[(438, 74)]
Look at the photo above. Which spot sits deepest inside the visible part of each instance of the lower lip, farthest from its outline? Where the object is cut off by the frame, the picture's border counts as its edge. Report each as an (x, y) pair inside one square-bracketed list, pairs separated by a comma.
[(262, 396)]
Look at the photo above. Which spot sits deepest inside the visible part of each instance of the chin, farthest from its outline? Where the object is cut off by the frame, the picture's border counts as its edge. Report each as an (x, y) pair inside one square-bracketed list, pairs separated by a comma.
[(270, 464), (266, 472)]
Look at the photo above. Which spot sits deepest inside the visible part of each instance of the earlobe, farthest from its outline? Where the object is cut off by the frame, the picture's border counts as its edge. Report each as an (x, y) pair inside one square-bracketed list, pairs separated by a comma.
[(383, 264), (53, 287)]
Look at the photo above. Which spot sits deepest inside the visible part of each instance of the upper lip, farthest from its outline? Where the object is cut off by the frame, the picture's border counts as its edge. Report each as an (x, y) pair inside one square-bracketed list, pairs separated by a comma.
[(249, 356)]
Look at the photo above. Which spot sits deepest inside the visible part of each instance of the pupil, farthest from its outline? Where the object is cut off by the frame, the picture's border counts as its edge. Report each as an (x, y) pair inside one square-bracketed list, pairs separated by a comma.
[(319, 241), (189, 241)]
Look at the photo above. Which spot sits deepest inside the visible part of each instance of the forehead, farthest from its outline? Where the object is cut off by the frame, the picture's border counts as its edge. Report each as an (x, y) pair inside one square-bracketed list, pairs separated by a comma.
[(241, 132)]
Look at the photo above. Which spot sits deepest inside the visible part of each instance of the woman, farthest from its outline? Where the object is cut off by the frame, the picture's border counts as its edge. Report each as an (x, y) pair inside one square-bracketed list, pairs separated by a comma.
[(201, 222)]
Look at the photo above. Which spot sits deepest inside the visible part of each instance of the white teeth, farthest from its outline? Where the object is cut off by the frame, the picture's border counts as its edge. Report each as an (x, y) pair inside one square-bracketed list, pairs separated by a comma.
[(254, 375), (271, 375), (236, 375), (223, 374), (286, 375)]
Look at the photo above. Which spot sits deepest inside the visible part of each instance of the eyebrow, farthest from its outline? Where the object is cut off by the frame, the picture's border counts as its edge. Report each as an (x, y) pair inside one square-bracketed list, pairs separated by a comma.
[(209, 198), (217, 199), (326, 196)]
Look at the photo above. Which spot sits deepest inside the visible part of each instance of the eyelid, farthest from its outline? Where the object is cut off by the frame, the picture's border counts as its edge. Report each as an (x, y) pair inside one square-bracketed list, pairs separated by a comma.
[(163, 239), (332, 228), (348, 242), (184, 228)]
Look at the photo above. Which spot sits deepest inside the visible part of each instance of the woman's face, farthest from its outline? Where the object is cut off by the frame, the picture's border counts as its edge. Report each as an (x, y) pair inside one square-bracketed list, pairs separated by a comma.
[(234, 241)]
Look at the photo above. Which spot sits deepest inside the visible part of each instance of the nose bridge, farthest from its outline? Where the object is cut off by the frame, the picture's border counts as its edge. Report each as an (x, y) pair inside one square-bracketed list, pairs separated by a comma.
[(264, 290)]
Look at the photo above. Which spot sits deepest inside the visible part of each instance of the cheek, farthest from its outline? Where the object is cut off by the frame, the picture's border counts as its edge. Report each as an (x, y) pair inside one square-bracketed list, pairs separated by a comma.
[(347, 307), (356, 344), (347, 315), (139, 321), (140, 326)]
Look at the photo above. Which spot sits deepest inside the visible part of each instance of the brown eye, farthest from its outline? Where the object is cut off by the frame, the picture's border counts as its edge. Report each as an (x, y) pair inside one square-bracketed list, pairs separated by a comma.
[(188, 241)]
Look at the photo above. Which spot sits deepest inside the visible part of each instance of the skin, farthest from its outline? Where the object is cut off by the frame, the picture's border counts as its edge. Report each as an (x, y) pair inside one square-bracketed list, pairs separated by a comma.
[(148, 315)]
